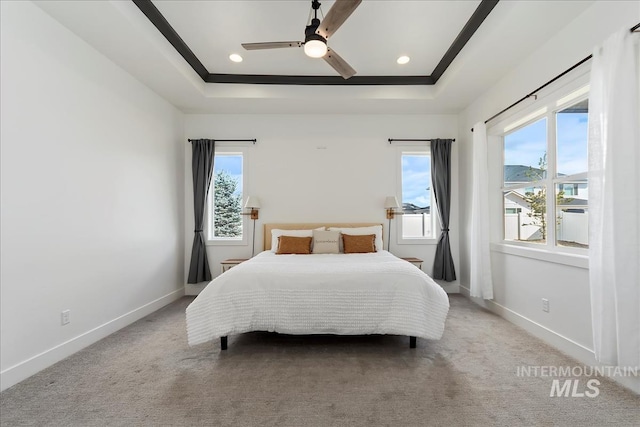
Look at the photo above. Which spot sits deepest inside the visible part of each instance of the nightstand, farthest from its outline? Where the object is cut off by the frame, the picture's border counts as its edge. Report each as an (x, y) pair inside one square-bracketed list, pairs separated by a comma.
[(415, 261), (228, 263)]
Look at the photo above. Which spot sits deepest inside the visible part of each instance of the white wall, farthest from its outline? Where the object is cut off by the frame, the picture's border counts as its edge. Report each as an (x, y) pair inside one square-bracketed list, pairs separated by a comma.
[(320, 168), (521, 282), (92, 195)]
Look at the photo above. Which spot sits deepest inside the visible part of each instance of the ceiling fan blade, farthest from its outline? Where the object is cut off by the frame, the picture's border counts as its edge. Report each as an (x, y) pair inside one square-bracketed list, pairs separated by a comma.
[(270, 45), (339, 64), (336, 16)]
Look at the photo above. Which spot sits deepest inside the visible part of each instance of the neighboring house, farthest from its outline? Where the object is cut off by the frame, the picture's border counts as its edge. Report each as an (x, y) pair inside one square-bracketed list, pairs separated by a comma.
[(519, 174), (519, 223)]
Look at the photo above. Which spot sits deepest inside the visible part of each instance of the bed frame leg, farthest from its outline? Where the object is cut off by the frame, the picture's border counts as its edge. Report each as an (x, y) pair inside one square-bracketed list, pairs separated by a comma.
[(412, 342), (223, 343)]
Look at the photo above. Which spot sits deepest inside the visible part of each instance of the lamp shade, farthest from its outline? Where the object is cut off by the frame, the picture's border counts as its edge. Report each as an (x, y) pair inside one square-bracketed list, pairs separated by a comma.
[(252, 202), (391, 202)]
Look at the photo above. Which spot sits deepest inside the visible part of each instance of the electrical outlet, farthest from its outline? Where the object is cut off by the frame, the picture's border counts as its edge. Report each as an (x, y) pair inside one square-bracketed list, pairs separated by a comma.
[(64, 317), (545, 305)]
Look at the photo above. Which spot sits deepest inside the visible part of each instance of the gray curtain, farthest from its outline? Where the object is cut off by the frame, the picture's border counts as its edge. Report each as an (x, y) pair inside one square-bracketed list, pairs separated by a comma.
[(203, 151), (443, 267)]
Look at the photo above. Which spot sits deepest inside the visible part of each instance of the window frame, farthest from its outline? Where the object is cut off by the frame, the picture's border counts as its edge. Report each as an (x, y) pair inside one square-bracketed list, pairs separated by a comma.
[(229, 241), (413, 148), (544, 107)]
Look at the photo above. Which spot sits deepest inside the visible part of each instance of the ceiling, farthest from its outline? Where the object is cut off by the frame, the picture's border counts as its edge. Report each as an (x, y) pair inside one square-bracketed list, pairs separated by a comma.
[(371, 40), (211, 18)]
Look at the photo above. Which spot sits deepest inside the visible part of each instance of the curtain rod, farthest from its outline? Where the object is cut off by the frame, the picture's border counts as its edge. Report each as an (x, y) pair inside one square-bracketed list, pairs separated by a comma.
[(634, 29), (229, 140), (413, 140)]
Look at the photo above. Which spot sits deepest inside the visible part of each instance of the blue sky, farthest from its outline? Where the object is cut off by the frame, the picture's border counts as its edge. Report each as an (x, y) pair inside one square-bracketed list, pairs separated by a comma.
[(416, 178), (527, 145), (232, 164), (573, 132)]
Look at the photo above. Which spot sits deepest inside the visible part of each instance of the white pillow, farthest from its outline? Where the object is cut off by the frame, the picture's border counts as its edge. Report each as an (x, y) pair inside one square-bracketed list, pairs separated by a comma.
[(359, 231), (276, 232)]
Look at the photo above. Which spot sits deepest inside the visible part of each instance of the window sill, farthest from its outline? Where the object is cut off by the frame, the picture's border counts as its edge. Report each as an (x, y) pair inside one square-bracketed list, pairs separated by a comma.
[(574, 260)]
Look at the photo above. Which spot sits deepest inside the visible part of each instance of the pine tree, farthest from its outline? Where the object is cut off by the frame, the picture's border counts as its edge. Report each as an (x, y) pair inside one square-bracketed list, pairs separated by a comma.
[(227, 206)]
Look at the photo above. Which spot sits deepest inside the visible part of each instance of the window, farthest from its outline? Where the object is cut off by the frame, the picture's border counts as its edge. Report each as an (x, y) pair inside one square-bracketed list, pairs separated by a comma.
[(545, 186), (569, 189), (524, 214), (572, 195), (225, 222), (416, 223), (525, 154), (525, 163)]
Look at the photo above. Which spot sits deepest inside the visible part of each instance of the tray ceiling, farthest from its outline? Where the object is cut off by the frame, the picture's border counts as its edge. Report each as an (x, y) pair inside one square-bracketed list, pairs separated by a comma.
[(370, 40)]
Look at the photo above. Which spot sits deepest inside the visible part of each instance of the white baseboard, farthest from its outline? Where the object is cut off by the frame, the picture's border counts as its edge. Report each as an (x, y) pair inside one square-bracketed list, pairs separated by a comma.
[(571, 348), (35, 364), (562, 343)]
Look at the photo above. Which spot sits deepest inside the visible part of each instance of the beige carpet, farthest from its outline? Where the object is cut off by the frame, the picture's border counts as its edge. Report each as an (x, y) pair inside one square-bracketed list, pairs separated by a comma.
[(146, 375)]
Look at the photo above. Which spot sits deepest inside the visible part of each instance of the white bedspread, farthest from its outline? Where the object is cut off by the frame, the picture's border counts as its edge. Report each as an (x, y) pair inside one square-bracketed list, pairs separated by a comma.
[(354, 294)]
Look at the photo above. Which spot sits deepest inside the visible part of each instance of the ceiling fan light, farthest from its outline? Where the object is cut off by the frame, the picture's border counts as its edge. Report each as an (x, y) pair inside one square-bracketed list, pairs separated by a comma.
[(315, 48)]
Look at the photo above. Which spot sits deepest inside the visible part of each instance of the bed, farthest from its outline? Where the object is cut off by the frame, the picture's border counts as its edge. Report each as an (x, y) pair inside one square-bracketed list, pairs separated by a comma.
[(345, 294)]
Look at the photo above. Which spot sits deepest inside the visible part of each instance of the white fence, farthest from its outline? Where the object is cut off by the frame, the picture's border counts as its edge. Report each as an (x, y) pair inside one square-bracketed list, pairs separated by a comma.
[(416, 225), (571, 227), (518, 227)]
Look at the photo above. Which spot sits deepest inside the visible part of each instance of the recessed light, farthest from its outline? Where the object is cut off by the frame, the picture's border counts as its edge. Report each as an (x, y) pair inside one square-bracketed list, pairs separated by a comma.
[(403, 60), (235, 57)]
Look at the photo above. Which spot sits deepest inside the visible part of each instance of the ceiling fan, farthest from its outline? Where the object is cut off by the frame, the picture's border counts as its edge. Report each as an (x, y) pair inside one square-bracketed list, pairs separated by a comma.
[(316, 35)]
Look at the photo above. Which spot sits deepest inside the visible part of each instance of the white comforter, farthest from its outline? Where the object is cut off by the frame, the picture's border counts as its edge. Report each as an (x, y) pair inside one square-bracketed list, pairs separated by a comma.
[(354, 294)]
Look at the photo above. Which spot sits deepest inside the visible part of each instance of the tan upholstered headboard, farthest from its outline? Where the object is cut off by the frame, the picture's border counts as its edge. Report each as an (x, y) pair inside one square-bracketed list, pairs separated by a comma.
[(308, 226)]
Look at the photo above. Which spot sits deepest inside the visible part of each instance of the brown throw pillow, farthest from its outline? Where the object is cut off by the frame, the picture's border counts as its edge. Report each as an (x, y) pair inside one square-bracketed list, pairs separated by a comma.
[(294, 245), (359, 244)]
